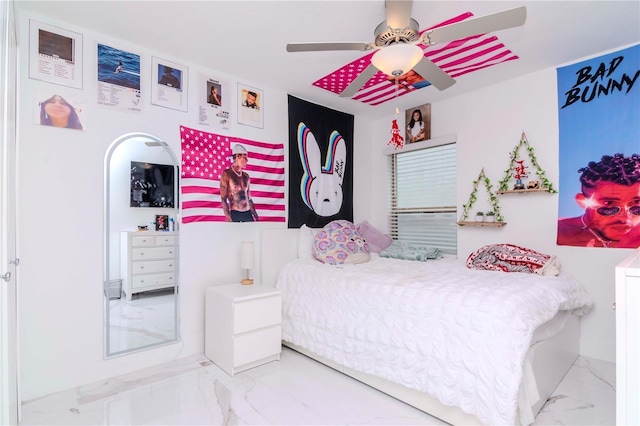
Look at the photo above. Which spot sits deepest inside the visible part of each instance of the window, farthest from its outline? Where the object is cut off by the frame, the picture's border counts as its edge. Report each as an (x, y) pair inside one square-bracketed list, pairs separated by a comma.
[(423, 196)]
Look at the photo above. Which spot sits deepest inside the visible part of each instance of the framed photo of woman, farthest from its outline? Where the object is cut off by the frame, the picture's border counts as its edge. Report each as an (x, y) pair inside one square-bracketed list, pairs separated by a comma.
[(58, 110), (418, 123)]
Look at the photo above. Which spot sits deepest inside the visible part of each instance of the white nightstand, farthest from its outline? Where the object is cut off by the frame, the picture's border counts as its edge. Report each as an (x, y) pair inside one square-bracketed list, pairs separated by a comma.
[(242, 326)]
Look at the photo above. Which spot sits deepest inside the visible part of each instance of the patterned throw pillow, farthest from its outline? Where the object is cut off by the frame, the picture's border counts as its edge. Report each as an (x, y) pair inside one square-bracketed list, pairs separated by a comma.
[(512, 258), (338, 243)]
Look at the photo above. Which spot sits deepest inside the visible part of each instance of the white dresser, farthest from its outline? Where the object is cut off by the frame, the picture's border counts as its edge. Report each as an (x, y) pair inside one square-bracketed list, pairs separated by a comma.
[(242, 326), (628, 340), (148, 261)]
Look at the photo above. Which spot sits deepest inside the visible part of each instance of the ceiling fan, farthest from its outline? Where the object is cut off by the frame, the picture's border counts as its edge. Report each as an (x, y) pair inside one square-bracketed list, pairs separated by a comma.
[(397, 43)]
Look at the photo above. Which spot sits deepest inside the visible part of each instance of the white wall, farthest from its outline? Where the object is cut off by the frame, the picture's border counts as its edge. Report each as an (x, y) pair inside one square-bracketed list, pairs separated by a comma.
[(488, 124)]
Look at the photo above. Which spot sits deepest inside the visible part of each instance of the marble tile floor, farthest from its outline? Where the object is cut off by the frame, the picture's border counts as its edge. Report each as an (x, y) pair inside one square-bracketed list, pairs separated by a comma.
[(148, 318), (293, 391)]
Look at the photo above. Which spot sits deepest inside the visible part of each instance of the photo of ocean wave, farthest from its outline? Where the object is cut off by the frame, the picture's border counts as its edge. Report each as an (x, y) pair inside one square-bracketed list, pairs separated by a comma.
[(118, 67)]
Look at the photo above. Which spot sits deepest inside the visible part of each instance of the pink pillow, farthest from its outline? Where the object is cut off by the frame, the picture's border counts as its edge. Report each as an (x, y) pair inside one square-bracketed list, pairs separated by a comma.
[(377, 240)]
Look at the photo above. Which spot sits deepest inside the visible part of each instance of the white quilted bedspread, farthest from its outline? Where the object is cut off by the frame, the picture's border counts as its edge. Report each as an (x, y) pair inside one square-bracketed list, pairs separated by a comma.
[(458, 334)]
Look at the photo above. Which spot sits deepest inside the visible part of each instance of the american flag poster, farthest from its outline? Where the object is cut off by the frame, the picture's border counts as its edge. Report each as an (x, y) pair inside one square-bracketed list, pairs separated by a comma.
[(206, 155), (456, 58)]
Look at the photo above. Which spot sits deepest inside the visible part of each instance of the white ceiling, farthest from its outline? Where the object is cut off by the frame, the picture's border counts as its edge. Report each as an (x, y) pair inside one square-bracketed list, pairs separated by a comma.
[(247, 39)]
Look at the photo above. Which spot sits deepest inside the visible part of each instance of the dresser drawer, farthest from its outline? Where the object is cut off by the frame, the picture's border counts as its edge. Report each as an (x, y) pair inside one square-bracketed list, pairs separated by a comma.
[(165, 240), (256, 345), (140, 281), (143, 241), (152, 266), (143, 253), (257, 313)]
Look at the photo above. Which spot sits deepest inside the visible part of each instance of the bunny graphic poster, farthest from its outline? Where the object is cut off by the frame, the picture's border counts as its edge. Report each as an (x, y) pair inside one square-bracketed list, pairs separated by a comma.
[(320, 164)]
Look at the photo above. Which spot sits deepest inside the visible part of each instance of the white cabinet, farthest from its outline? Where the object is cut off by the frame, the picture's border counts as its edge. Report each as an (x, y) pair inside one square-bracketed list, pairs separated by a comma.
[(628, 340), (242, 326), (148, 261)]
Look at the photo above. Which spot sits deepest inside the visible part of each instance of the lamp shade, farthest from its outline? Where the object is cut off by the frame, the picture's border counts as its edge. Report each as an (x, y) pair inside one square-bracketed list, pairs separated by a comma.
[(397, 59), (246, 254)]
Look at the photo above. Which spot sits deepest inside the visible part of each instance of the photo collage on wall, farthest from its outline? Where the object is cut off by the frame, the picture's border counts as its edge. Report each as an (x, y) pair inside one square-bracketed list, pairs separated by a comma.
[(55, 57)]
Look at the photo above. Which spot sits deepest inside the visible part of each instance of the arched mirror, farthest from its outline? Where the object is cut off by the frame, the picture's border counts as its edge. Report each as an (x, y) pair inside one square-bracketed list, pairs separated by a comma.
[(141, 238)]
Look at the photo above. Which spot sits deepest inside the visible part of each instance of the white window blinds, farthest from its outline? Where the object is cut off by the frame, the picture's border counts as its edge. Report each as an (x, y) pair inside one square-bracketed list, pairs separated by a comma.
[(423, 197)]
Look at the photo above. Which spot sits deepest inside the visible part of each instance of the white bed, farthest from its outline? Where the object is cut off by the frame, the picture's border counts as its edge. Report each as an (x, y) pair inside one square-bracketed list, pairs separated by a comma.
[(550, 349)]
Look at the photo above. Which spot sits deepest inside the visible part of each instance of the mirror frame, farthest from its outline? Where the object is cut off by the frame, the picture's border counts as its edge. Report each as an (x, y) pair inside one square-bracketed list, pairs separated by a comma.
[(151, 141)]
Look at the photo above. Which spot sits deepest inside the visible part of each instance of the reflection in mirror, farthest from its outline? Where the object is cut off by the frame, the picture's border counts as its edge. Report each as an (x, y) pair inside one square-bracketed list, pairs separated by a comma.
[(141, 238)]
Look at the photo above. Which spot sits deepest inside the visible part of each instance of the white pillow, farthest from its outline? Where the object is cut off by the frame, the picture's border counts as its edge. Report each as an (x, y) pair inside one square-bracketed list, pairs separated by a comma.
[(305, 242)]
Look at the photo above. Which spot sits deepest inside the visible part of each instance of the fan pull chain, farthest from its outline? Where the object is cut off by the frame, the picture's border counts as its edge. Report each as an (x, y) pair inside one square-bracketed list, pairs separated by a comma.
[(396, 98)]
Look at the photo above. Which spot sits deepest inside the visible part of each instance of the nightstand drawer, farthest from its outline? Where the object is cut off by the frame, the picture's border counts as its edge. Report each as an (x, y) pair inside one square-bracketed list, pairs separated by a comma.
[(257, 313), (253, 346), (152, 253)]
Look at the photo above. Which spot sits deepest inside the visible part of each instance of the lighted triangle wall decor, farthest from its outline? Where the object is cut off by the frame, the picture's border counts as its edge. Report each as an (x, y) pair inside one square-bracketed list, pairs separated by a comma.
[(493, 200), (517, 168)]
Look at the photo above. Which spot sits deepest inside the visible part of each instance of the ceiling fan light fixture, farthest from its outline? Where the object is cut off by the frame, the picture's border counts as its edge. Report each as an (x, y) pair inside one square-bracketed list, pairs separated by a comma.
[(397, 59)]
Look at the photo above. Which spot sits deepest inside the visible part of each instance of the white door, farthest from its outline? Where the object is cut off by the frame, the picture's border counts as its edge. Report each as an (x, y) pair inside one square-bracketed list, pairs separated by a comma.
[(9, 407)]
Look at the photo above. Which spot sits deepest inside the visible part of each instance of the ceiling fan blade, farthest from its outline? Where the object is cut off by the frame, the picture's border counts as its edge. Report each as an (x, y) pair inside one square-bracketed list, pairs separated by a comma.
[(398, 13), (433, 74), (315, 47), (359, 81), (481, 25)]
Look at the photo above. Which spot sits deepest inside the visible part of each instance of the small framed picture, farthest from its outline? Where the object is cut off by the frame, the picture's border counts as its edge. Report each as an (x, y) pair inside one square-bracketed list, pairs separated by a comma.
[(55, 55), (170, 84), (162, 222), (418, 123), (250, 106)]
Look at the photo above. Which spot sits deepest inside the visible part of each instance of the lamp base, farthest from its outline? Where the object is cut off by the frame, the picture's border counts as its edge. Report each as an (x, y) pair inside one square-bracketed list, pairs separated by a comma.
[(247, 281)]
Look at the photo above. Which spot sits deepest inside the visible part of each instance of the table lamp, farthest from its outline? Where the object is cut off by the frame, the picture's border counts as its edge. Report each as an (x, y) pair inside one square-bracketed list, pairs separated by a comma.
[(246, 260)]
